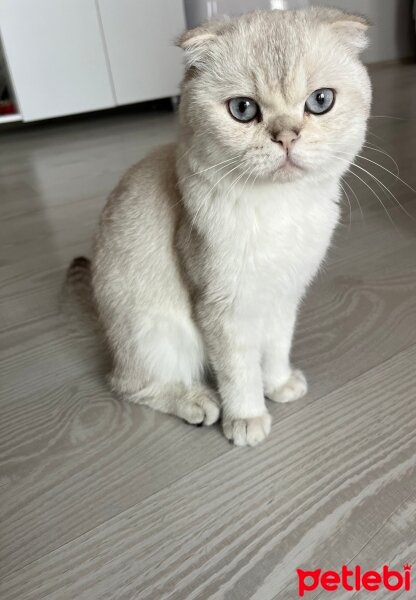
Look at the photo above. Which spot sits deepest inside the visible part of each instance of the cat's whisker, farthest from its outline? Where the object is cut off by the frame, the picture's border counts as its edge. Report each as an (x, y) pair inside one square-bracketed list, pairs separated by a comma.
[(347, 197), (385, 194), (381, 151), (236, 180), (188, 241), (224, 162), (383, 185), (378, 198), (221, 178), (388, 171), (254, 180), (182, 156), (356, 197), (372, 145), (345, 194), (251, 171), (373, 149), (369, 187), (377, 136), (389, 192), (349, 203), (387, 117), (205, 198)]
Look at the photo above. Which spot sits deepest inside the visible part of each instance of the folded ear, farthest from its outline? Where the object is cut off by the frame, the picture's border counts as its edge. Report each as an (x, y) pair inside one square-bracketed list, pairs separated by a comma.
[(350, 27), (197, 42)]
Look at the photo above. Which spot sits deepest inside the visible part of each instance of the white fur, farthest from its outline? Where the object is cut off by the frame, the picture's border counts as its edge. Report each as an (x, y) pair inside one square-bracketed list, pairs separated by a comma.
[(205, 248), (266, 243), (171, 348)]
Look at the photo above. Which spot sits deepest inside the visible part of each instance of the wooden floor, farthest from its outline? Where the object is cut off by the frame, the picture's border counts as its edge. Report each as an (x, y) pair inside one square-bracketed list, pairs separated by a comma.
[(104, 500)]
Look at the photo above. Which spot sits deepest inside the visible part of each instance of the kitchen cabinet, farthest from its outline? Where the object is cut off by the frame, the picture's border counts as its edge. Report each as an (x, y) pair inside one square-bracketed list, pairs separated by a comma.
[(55, 55), (73, 56), (140, 37)]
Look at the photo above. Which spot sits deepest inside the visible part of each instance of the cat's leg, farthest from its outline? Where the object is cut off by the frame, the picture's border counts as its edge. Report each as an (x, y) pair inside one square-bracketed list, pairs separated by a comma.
[(234, 354), (197, 403), (281, 382), (160, 364)]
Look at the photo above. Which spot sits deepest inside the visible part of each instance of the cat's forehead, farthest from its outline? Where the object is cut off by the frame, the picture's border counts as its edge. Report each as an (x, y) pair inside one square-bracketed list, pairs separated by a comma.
[(280, 84), (279, 65), (276, 78)]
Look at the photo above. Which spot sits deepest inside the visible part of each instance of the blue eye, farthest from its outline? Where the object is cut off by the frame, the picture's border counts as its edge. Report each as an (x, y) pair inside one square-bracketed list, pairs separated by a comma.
[(243, 109), (320, 101)]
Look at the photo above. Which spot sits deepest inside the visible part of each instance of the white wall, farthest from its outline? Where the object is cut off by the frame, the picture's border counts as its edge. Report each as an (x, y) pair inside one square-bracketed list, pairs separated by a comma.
[(392, 35), (198, 11), (393, 32)]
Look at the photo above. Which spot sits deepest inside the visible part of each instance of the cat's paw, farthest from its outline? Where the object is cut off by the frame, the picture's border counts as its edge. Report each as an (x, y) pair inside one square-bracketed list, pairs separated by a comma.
[(247, 432), (294, 388), (201, 408)]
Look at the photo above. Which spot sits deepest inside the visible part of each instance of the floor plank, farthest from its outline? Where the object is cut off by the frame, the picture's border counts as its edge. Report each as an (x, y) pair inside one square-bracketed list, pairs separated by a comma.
[(239, 525)]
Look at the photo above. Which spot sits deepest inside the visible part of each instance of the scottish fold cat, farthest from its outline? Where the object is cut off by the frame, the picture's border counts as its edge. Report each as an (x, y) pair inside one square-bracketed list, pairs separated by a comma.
[(206, 247)]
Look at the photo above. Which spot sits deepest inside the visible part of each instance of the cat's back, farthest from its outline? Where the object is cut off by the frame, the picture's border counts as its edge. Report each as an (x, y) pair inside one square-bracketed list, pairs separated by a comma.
[(148, 188), (139, 220)]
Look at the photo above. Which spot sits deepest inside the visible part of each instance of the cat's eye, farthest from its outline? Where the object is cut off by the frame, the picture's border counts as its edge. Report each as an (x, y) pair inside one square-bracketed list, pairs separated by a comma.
[(320, 101), (243, 109)]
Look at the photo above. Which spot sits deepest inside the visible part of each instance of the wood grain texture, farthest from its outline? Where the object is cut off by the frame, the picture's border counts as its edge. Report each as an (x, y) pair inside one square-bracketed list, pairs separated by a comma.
[(104, 500), (237, 526)]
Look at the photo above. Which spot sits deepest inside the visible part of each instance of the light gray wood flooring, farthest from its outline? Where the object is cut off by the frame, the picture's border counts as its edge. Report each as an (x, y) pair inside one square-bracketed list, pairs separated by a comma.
[(104, 500)]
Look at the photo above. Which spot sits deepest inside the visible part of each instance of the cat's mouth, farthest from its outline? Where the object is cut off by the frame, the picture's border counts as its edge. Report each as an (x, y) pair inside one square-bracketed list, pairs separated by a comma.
[(289, 164), (289, 169)]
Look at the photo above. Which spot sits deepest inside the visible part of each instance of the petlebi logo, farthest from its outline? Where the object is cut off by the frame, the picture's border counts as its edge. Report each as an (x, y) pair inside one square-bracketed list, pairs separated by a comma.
[(354, 579)]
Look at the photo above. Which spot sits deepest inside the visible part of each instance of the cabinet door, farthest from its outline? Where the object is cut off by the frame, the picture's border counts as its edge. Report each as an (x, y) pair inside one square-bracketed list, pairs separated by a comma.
[(56, 56), (139, 36)]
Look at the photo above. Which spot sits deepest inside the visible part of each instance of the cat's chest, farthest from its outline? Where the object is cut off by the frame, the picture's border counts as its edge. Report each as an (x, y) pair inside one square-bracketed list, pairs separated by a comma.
[(274, 239)]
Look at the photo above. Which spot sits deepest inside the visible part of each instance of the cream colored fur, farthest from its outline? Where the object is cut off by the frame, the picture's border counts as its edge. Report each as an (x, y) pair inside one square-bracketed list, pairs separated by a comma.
[(206, 247)]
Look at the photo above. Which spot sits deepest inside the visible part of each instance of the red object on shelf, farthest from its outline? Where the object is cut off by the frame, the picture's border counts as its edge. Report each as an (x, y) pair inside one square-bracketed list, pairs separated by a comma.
[(7, 108)]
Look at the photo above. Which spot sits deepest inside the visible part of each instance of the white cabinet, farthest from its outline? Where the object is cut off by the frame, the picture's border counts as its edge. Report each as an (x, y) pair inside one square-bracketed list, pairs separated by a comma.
[(139, 36), (56, 57), (74, 56)]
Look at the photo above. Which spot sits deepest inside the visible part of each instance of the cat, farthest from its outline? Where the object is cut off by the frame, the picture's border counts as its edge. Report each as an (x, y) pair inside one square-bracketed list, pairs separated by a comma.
[(206, 247)]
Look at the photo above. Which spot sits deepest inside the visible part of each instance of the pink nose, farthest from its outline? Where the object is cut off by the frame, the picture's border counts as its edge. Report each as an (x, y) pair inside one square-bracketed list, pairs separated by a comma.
[(286, 139)]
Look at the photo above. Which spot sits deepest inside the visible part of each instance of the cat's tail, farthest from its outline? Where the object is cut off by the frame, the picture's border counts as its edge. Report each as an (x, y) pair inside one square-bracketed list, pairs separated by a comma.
[(77, 299), (80, 317), (78, 281)]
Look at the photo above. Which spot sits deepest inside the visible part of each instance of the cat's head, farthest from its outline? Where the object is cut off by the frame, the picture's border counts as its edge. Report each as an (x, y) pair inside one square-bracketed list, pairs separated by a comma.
[(281, 94)]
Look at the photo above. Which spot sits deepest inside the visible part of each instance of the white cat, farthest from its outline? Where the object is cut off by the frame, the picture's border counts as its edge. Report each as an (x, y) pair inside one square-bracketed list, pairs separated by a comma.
[(205, 248)]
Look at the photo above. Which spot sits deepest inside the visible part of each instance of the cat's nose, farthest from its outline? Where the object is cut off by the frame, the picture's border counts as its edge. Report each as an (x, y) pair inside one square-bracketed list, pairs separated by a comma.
[(286, 138)]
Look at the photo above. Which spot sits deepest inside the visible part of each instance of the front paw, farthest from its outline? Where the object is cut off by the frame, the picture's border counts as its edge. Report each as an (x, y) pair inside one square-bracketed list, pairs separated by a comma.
[(247, 432), (294, 388)]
